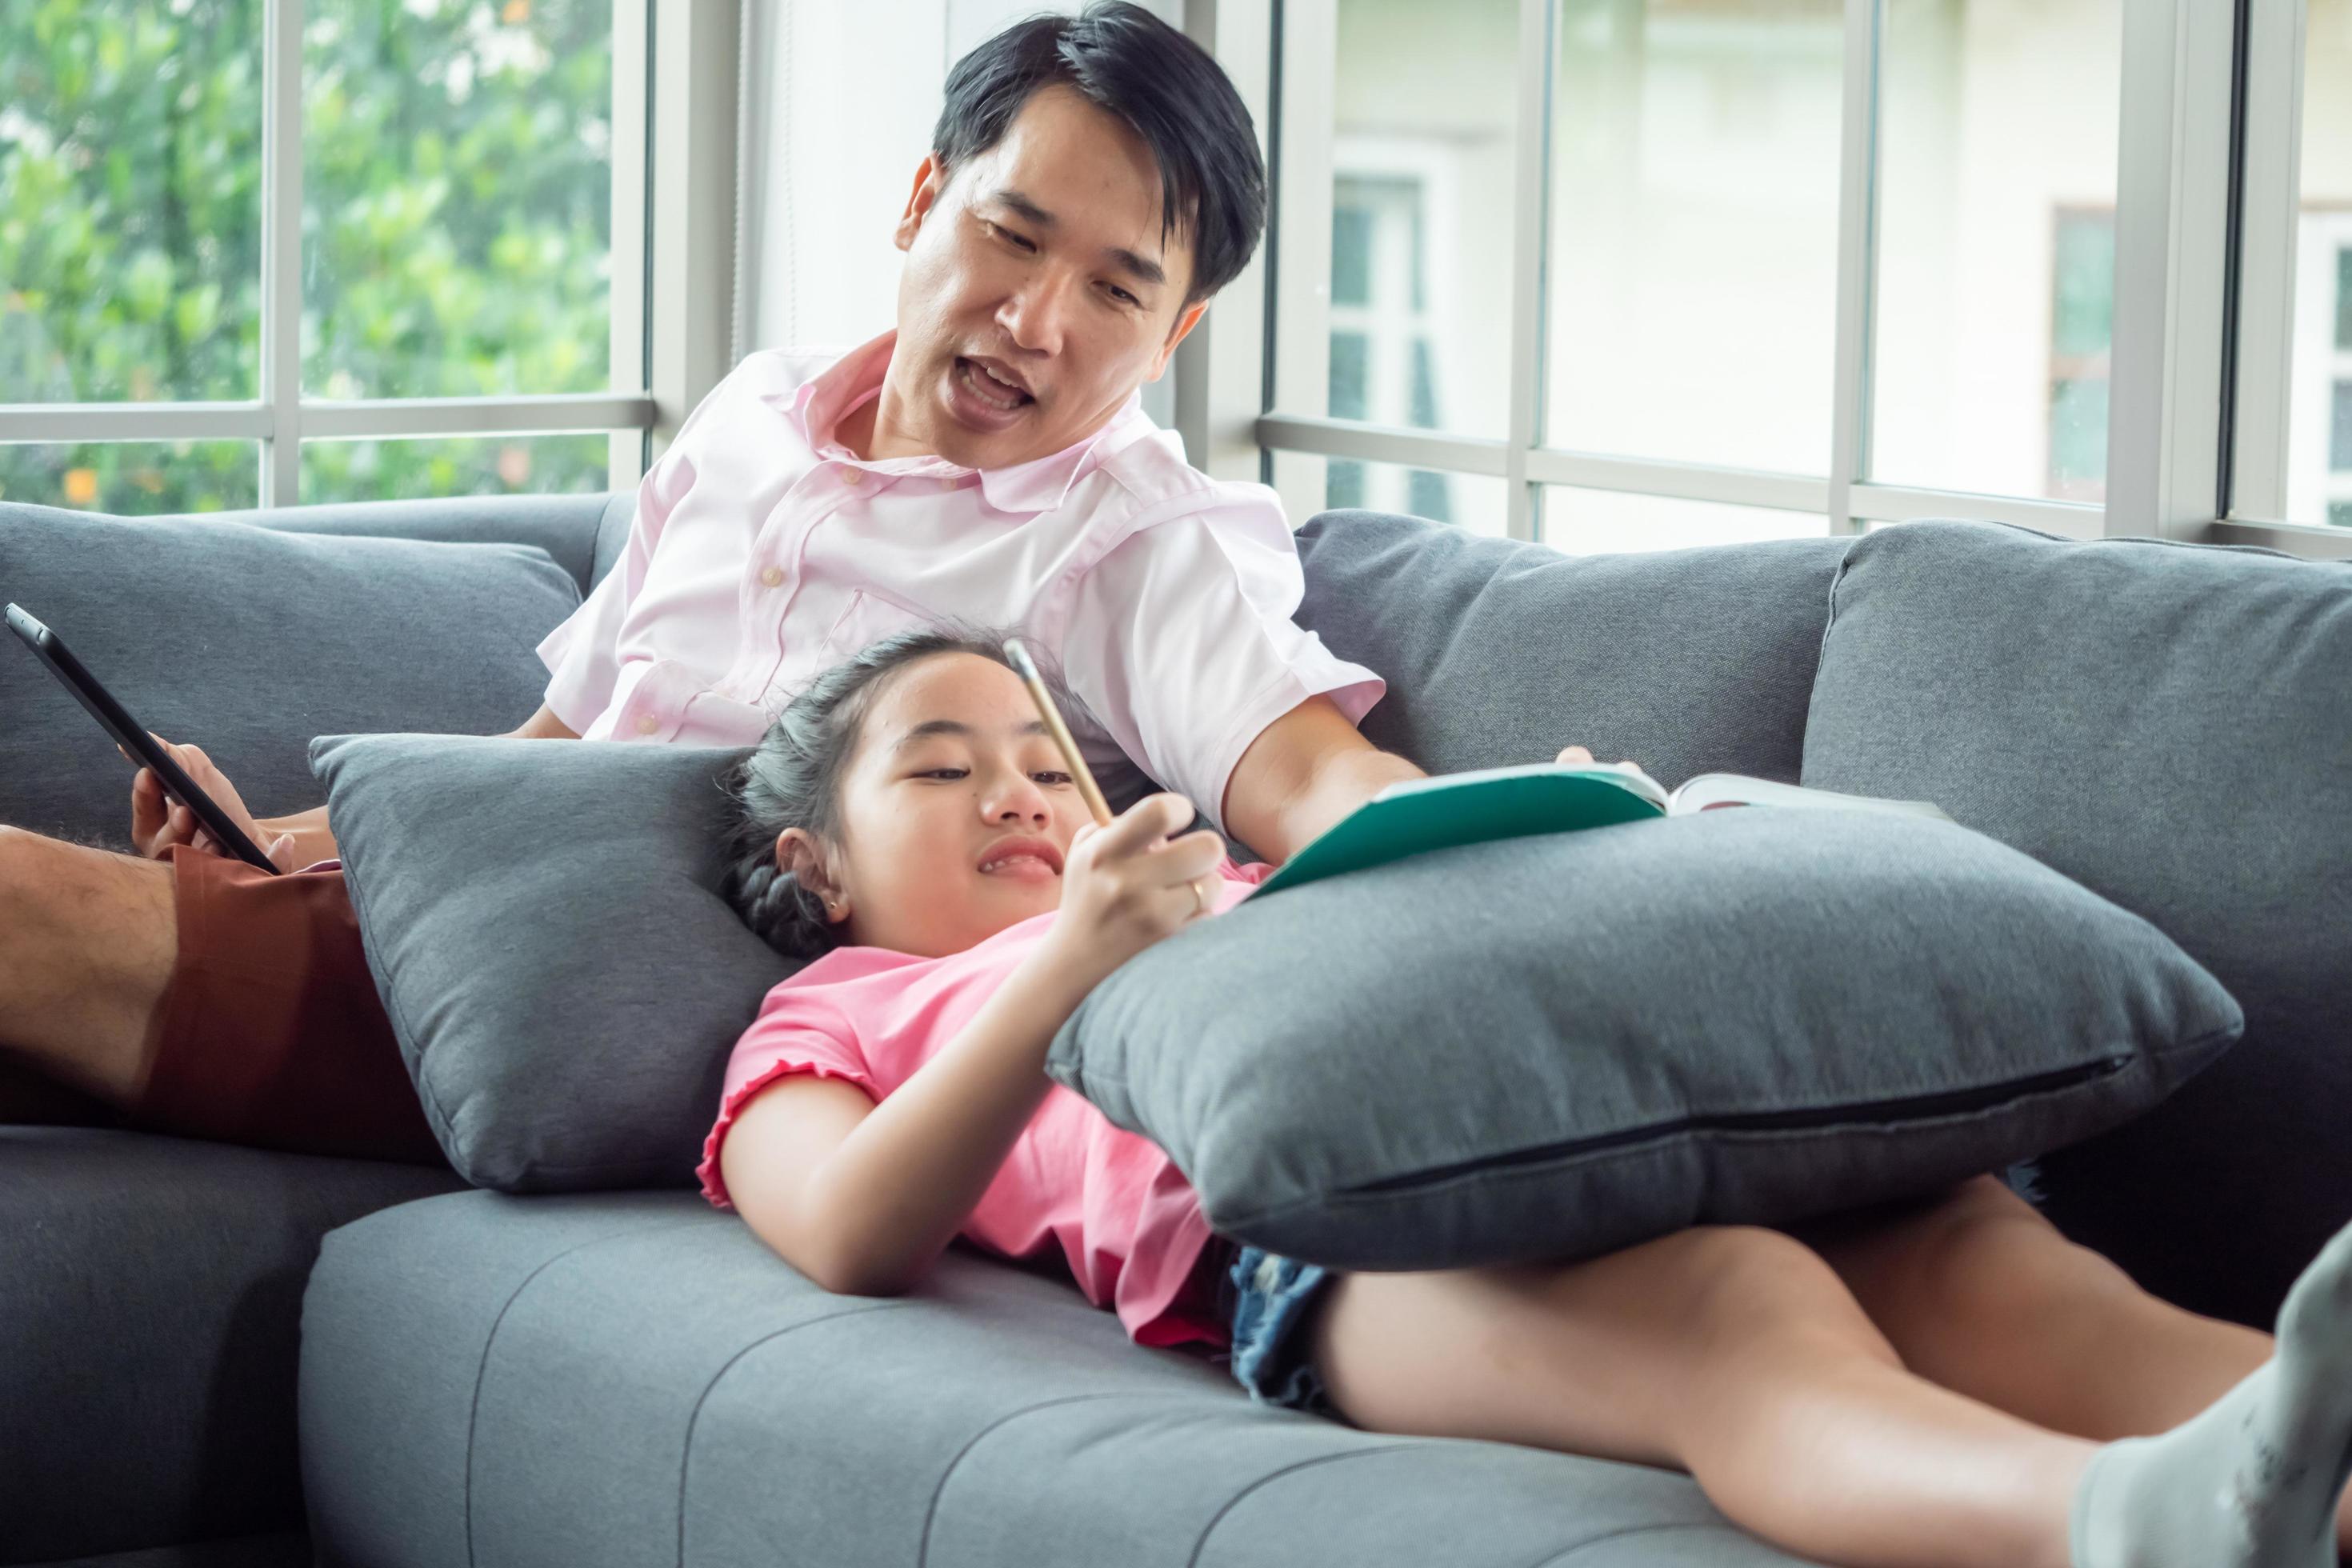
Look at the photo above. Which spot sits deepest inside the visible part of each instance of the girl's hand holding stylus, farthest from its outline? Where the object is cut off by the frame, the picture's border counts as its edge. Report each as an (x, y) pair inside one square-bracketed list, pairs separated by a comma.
[(1129, 884)]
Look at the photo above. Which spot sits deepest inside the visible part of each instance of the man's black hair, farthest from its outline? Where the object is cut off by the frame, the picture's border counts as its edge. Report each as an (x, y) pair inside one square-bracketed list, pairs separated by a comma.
[(1129, 61)]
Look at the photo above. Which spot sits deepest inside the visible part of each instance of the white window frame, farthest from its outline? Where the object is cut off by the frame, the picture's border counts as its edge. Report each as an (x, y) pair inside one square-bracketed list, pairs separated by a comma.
[(2179, 61), (2271, 275), (673, 269)]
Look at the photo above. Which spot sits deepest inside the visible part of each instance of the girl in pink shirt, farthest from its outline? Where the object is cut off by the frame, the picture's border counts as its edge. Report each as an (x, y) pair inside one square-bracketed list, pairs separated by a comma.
[(907, 825)]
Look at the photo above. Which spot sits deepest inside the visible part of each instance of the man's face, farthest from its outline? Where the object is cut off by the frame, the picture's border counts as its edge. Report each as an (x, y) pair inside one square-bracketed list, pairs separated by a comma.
[(1038, 290)]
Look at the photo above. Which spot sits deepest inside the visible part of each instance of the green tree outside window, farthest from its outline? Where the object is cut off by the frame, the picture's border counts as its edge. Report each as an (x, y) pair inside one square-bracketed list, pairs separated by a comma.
[(456, 232)]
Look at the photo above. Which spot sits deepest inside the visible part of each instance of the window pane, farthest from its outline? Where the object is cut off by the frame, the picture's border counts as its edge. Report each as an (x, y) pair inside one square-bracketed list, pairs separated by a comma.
[(1582, 522), (456, 197), (1996, 188), (2344, 297), (2081, 325), (1693, 305), (1309, 484), (442, 466), (2319, 396), (1397, 308), (130, 200), (133, 477)]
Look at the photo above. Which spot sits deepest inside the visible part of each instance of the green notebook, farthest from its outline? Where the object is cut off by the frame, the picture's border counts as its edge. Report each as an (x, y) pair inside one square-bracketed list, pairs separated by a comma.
[(1414, 815)]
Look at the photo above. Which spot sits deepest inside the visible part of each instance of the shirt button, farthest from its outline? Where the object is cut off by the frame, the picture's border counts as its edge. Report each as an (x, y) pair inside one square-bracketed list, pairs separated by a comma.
[(852, 475), (772, 576), (647, 723)]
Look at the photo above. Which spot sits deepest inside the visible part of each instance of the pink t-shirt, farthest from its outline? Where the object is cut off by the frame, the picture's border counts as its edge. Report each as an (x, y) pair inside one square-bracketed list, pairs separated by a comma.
[(1126, 1221)]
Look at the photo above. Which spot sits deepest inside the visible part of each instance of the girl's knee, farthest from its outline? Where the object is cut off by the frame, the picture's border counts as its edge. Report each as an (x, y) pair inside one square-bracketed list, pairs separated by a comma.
[(1734, 1265), (1742, 1281), (1988, 1258)]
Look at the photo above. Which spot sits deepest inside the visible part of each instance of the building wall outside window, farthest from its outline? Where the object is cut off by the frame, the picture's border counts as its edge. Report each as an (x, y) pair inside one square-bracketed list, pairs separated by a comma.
[(1692, 270)]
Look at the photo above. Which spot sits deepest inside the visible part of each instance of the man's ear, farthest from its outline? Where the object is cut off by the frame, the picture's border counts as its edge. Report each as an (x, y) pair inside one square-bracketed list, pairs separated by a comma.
[(931, 179), (797, 852), (1186, 320)]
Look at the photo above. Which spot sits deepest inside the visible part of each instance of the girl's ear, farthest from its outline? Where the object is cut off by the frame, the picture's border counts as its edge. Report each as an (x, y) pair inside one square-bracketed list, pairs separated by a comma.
[(797, 852)]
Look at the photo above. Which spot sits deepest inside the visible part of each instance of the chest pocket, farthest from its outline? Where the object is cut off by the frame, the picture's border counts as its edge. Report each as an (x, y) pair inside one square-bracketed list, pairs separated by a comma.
[(868, 619)]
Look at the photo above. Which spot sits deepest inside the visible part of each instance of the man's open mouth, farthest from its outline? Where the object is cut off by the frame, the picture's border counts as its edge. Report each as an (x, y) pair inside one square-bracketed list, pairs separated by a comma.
[(989, 387)]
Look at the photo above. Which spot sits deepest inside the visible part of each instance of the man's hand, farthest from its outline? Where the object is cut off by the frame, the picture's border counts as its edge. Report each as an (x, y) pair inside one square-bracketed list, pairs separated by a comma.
[(158, 822)]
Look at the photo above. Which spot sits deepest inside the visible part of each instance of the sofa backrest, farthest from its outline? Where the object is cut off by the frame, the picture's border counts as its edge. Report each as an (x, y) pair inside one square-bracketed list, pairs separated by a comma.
[(2172, 726), (581, 534), (248, 633), (1500, 652)]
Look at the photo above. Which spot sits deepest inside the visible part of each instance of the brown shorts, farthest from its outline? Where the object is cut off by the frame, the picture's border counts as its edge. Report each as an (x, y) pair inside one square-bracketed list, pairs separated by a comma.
[(273, 1034)]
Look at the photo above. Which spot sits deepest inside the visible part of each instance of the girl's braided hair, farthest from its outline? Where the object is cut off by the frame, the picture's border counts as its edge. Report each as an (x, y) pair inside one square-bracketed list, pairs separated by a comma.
[(793, 779)]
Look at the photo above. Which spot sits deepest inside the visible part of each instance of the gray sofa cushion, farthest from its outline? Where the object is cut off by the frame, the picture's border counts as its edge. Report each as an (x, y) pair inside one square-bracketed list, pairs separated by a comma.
[(248, 640), (2171, 725), (610, 1380), (150, 1292), (1563, 1044), (543, 923), (1498, 651), (581, 533)]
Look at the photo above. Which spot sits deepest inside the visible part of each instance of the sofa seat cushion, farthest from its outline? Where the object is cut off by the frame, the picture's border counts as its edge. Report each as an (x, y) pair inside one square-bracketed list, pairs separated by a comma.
[(149, 1302), (584, 1380), (2172, 726), (279, 1549)]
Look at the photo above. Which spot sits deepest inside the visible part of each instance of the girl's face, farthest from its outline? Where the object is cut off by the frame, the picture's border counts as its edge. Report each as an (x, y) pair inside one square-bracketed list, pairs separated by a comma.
[(957, 812)]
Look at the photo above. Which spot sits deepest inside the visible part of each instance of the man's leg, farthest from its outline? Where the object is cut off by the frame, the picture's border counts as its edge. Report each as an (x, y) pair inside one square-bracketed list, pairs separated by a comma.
[(88, 939), (204, 998)]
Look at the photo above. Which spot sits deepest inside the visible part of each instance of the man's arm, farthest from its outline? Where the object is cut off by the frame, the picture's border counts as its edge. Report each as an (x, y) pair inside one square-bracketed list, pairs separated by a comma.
[(312, 840), (1304, 772)]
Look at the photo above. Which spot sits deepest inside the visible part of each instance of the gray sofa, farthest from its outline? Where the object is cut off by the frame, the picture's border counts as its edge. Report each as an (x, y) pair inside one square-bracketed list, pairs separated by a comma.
[(228, 1357)]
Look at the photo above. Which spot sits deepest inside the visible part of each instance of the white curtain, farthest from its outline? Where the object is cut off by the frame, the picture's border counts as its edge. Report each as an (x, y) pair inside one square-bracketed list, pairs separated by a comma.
[(840, 97)]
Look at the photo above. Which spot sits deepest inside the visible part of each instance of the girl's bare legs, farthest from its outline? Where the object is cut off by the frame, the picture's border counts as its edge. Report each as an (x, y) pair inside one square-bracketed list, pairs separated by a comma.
[(1733, 1352), (1980, 1293)]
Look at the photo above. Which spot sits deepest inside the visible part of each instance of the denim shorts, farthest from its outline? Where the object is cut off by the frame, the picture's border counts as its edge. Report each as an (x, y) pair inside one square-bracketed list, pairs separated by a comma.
[(1268, 1299)]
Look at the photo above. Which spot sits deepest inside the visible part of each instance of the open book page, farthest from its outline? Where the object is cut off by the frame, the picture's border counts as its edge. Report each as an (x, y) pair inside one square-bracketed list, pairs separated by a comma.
[(1702, 792), (1624, 775), (1412, 817), (1705, 791)]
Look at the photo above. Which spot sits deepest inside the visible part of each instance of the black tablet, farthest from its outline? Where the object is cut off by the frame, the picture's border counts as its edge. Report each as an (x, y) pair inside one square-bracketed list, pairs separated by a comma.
[(132, 737)]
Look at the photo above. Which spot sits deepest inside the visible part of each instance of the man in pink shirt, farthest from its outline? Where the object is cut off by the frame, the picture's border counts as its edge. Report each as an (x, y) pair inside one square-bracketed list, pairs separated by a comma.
[(1093, 182)]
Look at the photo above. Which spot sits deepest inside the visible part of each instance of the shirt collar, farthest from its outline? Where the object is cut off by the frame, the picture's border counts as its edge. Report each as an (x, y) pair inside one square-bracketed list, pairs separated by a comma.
[(818, 404)]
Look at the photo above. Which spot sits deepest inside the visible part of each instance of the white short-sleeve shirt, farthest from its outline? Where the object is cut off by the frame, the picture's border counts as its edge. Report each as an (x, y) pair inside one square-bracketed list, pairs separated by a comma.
[(763, 551)]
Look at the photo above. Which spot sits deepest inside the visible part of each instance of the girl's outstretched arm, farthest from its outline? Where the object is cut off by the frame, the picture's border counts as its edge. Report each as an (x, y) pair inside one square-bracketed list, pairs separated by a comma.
[(861, 1203), (862, 1196)]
